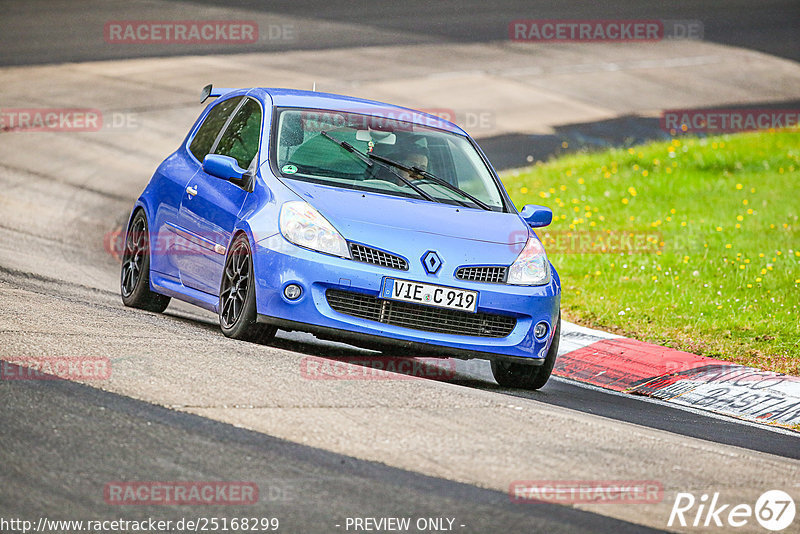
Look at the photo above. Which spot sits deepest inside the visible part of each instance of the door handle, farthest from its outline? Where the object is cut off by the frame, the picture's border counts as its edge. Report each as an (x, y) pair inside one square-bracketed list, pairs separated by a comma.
[(192, 190)]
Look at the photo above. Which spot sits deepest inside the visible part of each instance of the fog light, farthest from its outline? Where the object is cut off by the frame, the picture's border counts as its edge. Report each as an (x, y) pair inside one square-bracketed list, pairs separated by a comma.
[(292, 291), (540, 331)]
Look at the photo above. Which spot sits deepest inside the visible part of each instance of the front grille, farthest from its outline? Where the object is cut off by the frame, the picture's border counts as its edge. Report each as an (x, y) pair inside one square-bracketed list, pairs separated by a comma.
[(490, 274), (377, 257), (419, 317)]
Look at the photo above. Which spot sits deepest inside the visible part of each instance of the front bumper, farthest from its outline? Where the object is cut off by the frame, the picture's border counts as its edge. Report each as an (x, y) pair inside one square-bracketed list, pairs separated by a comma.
[(278, 263)]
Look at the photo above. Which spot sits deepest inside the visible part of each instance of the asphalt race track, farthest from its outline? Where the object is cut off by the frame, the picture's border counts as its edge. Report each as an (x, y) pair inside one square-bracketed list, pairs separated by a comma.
[(185, 403)]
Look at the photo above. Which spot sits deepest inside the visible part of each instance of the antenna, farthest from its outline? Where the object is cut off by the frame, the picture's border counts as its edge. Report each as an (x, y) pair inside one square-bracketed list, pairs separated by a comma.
[(314, 87)]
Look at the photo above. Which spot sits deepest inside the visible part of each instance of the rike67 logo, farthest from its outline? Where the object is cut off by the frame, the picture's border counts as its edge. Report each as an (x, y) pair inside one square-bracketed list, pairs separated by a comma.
[(774, 510)]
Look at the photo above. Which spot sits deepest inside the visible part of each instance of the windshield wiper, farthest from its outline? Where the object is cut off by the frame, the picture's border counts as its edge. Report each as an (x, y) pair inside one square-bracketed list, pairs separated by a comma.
[(367, 158), (433, 178), (350, 148)]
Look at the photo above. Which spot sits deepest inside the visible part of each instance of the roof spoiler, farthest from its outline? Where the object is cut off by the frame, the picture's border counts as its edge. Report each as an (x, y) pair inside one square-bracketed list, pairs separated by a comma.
[(210, 91)]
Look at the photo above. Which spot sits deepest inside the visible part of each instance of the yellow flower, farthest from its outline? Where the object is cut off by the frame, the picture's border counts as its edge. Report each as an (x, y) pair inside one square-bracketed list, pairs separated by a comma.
[(758, 279), (580, 180), (739, 186), (741, 266), (683, 223), (624, 200), (739, 218), (719, 228), (745, 202), (728, 245)]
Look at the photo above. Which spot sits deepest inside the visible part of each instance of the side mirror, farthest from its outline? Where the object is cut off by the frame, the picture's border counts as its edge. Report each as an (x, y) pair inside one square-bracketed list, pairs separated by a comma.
[(537, 216), (224, 167)]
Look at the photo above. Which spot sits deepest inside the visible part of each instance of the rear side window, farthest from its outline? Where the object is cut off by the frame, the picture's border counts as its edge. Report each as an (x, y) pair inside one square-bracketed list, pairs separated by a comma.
[(208, 131), (241, 138)]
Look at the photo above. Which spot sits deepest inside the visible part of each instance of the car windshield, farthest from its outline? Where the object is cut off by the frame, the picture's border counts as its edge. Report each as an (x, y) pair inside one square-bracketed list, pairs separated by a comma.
[(360, 151)]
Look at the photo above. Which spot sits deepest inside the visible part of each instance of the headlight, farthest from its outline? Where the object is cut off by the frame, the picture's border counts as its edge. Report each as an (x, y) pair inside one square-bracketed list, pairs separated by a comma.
[(304, 226), (531, 267)]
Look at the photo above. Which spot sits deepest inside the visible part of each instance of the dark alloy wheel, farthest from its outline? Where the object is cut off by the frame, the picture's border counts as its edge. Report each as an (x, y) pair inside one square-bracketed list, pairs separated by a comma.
[(135, 273), (520, 375), (237, 296)]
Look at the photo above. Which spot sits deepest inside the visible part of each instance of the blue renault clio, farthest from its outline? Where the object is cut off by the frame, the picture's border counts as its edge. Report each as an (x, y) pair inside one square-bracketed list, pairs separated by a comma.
[(354, 220)]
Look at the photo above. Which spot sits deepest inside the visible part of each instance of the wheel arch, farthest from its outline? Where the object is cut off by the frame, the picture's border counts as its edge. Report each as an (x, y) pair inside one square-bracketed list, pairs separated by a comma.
[(242, 228)]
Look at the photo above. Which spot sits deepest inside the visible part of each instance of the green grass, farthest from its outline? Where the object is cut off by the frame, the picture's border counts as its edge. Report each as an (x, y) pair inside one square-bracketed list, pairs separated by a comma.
[(720, 275)]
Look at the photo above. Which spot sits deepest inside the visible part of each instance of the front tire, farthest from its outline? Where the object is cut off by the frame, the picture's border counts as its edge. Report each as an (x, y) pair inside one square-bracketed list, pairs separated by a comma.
[(237, 296), (522, 376), (135, 273)]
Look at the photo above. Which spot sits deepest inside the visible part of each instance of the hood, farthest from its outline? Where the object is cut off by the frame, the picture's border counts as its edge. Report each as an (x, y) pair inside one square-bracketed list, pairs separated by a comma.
[(360, 215)]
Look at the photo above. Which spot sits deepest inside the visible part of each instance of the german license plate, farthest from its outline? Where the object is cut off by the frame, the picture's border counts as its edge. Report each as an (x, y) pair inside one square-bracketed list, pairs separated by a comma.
[(431, 295)]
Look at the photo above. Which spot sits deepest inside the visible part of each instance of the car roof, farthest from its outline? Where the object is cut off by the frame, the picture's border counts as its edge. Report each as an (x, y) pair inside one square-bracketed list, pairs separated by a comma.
[(329, 101)]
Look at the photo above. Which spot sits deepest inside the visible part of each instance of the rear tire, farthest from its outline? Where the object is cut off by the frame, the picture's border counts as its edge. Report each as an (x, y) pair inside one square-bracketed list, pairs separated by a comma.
[(237, 297), (523, 376), (134, 280)]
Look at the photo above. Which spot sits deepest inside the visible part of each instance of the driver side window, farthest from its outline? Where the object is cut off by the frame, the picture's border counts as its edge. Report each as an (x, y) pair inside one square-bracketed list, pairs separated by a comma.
[(242, 136), (209, 130)]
